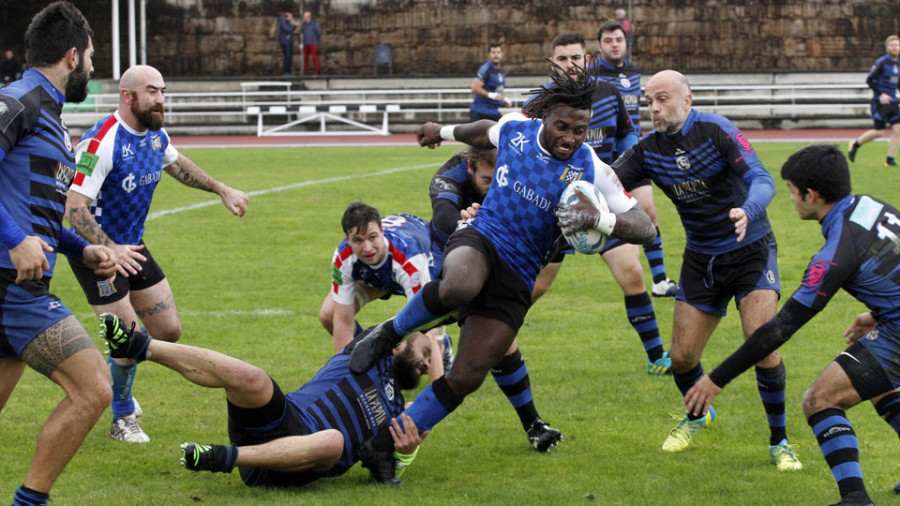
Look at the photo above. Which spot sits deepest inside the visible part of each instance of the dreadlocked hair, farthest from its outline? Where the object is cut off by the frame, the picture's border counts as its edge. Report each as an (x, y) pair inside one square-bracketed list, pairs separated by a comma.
[(564, 89)]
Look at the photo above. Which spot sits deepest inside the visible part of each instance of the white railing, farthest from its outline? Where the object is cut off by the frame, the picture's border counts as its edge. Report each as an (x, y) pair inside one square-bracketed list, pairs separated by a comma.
[(245, 109)]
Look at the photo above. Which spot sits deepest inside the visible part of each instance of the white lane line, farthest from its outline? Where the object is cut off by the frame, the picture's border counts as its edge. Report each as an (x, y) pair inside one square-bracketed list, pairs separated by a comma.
[(159, 214), (240, 312)]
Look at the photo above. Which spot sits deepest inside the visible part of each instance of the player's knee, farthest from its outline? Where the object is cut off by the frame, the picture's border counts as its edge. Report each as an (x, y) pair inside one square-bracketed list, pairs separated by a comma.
[(813, 402), (170, 333), (251, 379), (466, 378), (681, 361), (325, 318)]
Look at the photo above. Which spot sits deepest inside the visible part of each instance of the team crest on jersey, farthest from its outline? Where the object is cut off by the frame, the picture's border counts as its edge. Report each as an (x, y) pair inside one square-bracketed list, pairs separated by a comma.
[(624, 81), (502, 171), (815, 274), (156, 142), (770, 277), (105, 288), (683, 162), (128, 183), (742, 143), (571, 174)]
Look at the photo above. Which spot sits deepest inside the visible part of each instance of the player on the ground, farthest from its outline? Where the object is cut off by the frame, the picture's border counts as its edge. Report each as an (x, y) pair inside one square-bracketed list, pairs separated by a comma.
[(490, 265), (36, 167), (457, 190), (860, 256), (292, 439), (709, 170), (612, 64), (884, 80), (610, 130), (120, 161)]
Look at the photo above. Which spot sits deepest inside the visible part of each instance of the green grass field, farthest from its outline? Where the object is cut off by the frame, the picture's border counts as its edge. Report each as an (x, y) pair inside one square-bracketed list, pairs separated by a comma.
[(252, 288)]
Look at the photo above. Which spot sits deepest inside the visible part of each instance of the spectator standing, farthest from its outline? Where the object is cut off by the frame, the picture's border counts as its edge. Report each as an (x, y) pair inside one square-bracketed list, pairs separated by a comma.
[(9, 68), (488, 87), (622, 19), (286, 28), (312, 34)]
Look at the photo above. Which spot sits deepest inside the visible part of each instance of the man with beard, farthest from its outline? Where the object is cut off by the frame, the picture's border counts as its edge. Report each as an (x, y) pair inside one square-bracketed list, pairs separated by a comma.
[(291, 439), (120, 162), (36, 167)]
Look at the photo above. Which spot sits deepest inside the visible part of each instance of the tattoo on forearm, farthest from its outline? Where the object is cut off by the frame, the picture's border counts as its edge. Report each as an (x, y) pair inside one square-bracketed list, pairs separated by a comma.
[(87, 227), (185, 173)]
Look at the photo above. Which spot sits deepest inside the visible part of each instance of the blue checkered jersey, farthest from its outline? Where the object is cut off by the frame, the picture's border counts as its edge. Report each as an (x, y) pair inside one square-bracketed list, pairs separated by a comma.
[(628, 79), (452, 183), (37, 164), (517, 213), (884, 77), (494, 80), (706, 169), (860, 255), (407, 267), (358, 406), (119, 169)]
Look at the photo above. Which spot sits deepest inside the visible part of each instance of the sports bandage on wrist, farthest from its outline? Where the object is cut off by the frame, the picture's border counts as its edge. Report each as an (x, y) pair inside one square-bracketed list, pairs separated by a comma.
[(492, 95), (447, 133), (403, 461), (606, 222)]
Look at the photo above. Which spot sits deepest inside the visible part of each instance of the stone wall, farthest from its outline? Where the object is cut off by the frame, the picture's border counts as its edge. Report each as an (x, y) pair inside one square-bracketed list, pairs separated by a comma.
[(212, 38)]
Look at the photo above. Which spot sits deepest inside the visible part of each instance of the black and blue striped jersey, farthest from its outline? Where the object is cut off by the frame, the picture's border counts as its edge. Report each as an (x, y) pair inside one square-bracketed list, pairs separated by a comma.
[(358, 406), (628, 79), (706, 169), (451, 183), (860, 255), (37, 163), (884, 77)]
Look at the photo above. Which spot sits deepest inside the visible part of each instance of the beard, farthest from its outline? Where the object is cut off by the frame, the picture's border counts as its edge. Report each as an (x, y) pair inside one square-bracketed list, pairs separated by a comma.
[(406, 374), (146, 118), (76, 84)]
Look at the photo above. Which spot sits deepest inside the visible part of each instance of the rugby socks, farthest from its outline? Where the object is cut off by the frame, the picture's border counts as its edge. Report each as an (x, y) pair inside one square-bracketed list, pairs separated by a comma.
[(122, 380), (422, 309), (511, 376), (889, 409), (685, 381), (641, 316), (27, 497), (840, 448), (433, 404), (770, 383), (654, 254)]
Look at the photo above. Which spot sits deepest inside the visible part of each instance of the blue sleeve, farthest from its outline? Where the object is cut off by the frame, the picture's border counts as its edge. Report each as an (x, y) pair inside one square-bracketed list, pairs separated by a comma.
[(625, 143), (872, 78), (71, 244), (760, 193), (10, 233)]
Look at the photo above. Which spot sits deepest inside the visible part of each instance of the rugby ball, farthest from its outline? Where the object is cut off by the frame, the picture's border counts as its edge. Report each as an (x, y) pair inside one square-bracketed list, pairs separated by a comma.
[(592, 240)]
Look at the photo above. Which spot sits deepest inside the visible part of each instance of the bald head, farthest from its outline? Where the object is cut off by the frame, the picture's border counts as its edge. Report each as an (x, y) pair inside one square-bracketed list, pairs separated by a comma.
[(141, 96), (669, 98)]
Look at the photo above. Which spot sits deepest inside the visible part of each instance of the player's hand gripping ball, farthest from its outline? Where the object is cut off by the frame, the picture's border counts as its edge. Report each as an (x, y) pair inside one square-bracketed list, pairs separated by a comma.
[(588, 241)]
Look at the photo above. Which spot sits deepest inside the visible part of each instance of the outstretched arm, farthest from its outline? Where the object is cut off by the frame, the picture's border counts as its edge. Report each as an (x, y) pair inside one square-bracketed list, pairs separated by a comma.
[(474, 134), (190, 174)]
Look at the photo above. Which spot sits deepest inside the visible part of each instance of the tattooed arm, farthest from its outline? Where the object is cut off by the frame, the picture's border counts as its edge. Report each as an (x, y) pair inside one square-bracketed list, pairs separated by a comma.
[(81, 219), (190, 174)]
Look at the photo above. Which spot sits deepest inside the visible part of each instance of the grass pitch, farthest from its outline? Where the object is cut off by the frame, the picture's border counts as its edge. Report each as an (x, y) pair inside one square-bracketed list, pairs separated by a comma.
[(252, 288)]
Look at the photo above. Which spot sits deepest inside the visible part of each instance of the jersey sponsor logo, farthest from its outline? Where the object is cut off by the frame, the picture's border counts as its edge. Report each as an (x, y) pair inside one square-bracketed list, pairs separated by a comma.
[(518, 143), (866, 212), (571, 174), (64, 176), (128, 183), (105, 288), (502, 172), (127, 151), (87, 162), (742, 143), (631, 101), (531, 195), (815, 274), (698, 187), (150, 178)]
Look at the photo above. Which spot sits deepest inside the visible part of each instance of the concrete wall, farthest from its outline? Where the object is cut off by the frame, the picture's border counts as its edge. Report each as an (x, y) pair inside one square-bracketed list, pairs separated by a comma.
[(450, 37)]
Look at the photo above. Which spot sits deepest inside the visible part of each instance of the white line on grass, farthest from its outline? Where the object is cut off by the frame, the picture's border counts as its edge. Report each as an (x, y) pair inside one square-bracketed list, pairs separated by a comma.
[(159, 214), (240, 312)]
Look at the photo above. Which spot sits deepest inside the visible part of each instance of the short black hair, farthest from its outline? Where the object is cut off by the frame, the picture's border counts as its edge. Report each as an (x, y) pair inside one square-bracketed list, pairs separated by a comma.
[(358, 215), (819, 167), (609, 26), (495, 44), (566, 38), (576, 92), (54, 30)]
